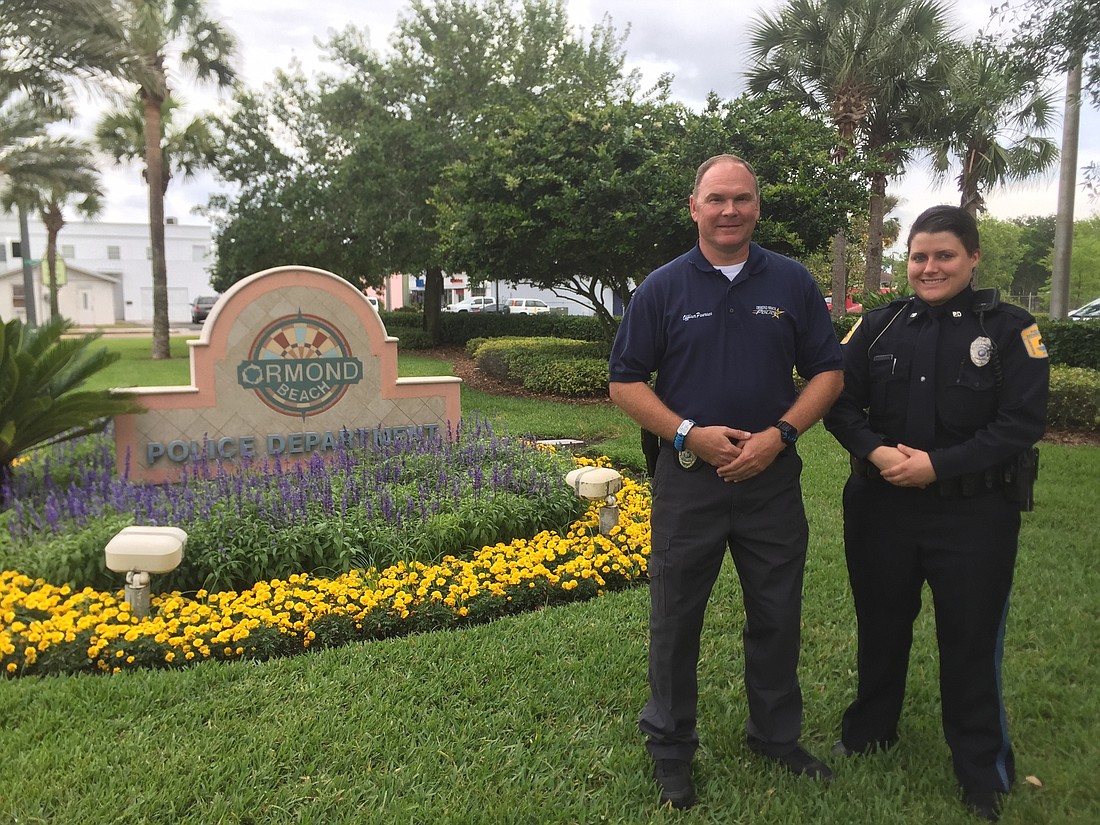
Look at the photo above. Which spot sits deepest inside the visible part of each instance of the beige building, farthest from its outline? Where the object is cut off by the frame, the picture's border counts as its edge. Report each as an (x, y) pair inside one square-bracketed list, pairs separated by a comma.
[(86, 298)]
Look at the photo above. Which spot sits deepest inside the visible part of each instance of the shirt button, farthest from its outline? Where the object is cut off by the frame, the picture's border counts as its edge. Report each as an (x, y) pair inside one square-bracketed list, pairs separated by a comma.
[(923, 379)]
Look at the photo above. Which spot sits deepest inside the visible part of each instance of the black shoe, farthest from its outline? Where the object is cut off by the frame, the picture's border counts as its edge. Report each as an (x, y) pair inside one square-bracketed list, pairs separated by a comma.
[(985, 804), (674, 778), (840, 749), (798, 761)]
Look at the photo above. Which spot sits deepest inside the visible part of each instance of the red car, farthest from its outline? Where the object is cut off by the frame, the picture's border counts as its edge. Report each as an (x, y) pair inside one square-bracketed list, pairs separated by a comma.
[(849, 304)]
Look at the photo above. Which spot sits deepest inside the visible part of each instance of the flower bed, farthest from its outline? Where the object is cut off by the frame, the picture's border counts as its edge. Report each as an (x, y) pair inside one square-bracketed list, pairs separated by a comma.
[(48, 629)]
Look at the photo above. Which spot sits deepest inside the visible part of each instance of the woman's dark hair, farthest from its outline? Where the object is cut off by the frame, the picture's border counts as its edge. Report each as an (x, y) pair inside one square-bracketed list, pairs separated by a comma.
[(953, 219)]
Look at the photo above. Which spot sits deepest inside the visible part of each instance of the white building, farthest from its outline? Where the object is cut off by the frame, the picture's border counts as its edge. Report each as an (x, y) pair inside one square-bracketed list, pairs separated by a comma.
[(119, 251)]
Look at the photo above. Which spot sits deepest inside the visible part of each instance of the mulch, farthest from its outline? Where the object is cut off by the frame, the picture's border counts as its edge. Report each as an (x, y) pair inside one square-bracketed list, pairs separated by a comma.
[(466, 369)]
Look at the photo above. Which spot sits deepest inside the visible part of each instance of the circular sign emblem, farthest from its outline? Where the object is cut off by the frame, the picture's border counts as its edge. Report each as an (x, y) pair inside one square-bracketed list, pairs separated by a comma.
[(299, 365)]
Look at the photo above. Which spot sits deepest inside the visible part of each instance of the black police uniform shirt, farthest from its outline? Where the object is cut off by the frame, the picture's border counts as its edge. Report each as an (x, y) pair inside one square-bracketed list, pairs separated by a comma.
[(985, 414)]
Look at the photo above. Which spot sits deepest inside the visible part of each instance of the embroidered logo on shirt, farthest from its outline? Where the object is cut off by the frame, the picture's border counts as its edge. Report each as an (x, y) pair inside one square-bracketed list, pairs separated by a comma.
[(695, 315), (1033, 342), (771, 311)]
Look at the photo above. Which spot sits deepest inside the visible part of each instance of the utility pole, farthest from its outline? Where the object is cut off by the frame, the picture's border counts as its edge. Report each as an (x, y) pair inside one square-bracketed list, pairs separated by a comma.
[(1067, 185)]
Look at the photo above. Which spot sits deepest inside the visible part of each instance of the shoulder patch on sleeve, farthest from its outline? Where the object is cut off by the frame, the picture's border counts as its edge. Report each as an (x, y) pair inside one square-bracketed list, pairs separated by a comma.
[(1033, 342), (855, 326)]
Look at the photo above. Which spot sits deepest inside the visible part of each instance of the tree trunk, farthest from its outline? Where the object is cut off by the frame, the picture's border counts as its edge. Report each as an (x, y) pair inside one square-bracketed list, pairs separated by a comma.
[(51, 262), (872, 276), (433, 301), (840, 274), (54, 221), (154, 175), (1067, 182), (30, 295)]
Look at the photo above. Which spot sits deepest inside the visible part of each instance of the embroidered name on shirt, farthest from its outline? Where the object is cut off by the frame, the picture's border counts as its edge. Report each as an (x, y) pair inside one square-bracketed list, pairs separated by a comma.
[(695, 315), (773, 312)]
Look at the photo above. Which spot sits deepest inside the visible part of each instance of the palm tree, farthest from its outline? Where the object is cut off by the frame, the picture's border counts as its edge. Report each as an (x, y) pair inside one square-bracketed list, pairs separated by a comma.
[(206, 48), (41, 400), (994, 110), (867, 63), (46, 44), (187, 149), (51, 172)]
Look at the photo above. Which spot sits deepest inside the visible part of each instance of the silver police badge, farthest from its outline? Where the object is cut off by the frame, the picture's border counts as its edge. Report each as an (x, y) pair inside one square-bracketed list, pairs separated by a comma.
[(981, 348), (687, 459)]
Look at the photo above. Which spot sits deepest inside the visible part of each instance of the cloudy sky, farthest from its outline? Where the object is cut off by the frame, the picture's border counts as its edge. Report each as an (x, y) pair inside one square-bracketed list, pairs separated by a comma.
[(702, 43)]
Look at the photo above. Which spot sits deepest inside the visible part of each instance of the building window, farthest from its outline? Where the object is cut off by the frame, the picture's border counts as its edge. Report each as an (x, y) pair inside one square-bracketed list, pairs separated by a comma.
[(114, 253), (198, 253), (16, 250), (68, 250), (18, 297)]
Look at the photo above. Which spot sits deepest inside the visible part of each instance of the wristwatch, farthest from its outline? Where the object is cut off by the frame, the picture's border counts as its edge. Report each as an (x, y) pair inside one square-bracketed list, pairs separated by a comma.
[(681, 433), (786, 431)]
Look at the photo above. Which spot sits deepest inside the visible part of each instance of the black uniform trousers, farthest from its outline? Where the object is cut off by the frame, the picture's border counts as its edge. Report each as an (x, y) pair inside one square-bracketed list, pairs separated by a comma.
[(696, 516), (965, 548)]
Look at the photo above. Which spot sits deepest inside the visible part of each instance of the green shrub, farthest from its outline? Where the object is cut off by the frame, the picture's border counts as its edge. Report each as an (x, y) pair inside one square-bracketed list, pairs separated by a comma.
[(1072, 343), (1074, 399), (573, 378), (519, 360)]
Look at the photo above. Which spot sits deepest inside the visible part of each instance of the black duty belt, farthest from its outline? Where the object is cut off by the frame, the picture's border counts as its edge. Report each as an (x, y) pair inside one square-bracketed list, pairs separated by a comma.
[(964, 486)]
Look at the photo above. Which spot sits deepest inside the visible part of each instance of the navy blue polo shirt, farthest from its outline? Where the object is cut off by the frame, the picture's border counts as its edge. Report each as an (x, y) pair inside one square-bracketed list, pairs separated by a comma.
[(725, 353)]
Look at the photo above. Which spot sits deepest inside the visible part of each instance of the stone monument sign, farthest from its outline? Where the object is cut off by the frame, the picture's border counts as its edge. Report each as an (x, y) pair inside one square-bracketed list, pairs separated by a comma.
[(289, 362)]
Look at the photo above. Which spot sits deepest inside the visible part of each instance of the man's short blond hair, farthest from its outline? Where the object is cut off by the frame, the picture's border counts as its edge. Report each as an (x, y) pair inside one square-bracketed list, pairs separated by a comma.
[(706, 165)]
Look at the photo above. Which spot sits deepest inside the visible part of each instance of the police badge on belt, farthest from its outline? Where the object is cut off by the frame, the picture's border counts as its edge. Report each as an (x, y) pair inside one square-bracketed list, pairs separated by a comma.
[(688, 460)]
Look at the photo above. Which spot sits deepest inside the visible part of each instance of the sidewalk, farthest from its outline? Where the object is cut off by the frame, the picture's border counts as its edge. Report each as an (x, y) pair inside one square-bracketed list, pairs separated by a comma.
[(135, 331)]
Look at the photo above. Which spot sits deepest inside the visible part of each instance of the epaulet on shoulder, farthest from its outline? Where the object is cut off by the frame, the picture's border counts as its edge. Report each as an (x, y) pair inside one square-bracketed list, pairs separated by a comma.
[(1016, 311), (895, 304)]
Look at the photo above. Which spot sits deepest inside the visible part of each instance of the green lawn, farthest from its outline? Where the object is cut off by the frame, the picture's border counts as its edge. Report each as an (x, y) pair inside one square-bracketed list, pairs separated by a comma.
[(532, 719)]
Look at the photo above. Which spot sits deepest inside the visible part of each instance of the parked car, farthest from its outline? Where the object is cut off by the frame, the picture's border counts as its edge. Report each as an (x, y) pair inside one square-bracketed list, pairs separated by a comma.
[(849, 304), (526, 306), (1089, 310), (476, 303), (201, 307)]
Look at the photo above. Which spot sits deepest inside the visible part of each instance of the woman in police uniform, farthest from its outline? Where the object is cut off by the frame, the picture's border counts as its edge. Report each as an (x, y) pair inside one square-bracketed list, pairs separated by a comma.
[(945, 395)]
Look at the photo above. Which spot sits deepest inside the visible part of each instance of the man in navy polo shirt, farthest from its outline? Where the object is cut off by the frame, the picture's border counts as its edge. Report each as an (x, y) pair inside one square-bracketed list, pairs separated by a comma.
[(723, 327)]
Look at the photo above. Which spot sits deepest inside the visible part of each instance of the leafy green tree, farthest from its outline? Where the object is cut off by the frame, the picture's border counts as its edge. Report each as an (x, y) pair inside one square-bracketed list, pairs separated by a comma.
[(1053, 35), (875, 68), (457, 69), (1002, 251), (158, 30), (1037, 239), (41, 400), (1084, 280), (583, 199), (996, 111)]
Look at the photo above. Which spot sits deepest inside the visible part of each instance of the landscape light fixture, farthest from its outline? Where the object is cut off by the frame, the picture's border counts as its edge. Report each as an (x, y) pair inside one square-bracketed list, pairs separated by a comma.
[(595, 483), (141, 551)]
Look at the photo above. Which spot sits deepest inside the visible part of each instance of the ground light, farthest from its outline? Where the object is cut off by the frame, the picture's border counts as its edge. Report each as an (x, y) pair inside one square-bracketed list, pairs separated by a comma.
[(141, 551), (594, 483)]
